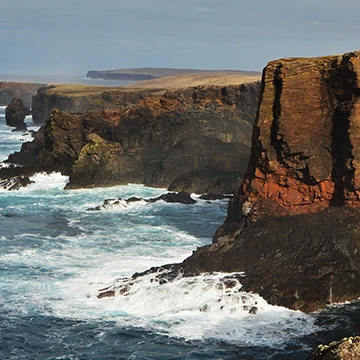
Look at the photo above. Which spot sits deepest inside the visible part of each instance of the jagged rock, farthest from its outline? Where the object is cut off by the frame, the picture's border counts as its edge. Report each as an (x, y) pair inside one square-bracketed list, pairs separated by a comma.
[(81, 98), (179, 198), (194, 130), (15, 114), (15, 183), (305, 152), (211, 196), (293, 225), (346, 349)]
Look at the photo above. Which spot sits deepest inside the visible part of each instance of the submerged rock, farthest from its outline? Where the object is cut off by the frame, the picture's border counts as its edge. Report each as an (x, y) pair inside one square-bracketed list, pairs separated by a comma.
[(179, 198)]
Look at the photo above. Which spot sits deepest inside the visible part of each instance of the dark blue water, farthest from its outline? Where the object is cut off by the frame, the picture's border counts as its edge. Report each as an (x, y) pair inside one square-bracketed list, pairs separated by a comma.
[(55, 256)]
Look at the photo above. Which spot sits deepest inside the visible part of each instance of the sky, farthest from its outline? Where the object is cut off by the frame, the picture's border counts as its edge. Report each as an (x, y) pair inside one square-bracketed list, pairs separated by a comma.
[(70, 37)]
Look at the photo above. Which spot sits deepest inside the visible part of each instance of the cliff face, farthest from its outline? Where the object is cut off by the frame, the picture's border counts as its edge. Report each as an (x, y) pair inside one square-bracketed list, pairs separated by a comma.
[(190, 133), (305, 154), (25, 91), (80, 98), (293, 225)]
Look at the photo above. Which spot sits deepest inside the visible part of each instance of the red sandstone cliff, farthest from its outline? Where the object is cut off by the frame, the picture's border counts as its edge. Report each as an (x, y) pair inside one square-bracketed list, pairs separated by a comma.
[(306, 141), (293, 226)]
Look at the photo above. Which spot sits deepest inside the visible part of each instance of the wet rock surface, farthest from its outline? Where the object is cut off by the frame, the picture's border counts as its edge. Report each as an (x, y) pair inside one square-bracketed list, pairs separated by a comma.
[(15, 183), (346, 349), (22, 90)]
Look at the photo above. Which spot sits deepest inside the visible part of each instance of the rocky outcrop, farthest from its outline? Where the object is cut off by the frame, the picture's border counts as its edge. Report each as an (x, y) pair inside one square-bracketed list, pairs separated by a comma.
[(172, 198), (346, 349), (305, 154), (15, 114), (82, 98), (293, 225), (15, 183), (154, 143), (25, 91)]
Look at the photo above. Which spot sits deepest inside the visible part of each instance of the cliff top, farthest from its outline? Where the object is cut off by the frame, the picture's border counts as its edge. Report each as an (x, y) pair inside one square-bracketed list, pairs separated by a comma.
[(156, 86), (204, 79)]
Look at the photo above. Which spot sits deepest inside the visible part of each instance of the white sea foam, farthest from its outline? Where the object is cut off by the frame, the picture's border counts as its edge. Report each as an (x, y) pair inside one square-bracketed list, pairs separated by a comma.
[(44, 181)]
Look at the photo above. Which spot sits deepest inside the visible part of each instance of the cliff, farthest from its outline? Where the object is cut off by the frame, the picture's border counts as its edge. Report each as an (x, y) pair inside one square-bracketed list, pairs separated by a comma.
[(80, 98), (25, 91), (195, 138), (305, 143), (292, 230), (293, 225)]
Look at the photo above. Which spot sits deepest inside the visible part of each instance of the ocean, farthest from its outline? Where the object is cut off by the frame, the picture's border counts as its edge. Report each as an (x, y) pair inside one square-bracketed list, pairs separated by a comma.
[(55, 256)]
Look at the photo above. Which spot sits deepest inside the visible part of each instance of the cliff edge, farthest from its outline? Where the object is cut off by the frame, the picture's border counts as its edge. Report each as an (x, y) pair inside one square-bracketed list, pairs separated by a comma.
[(195, 139), (293, 225)]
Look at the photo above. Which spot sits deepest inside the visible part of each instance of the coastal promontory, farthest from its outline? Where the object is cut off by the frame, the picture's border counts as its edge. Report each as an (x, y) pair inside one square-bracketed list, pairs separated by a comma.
[(293, 225), (193, 139)]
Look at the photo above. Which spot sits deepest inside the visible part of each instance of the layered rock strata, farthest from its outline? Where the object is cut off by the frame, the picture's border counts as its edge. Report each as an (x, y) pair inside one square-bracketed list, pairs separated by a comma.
[(304, 162), (346, 349), (25, 91), (186, 132), (82, 98), (293, 225), (305, 152)]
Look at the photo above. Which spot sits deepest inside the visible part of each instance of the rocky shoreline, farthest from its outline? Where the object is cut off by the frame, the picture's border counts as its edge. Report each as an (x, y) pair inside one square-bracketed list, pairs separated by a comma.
[(195, 139), (293, 225)]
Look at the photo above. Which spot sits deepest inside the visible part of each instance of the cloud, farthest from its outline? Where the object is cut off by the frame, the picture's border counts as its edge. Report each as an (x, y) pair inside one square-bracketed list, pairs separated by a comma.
[(39, 35)]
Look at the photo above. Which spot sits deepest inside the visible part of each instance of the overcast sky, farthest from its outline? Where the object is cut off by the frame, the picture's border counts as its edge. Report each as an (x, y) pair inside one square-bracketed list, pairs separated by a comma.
[(70, 37)]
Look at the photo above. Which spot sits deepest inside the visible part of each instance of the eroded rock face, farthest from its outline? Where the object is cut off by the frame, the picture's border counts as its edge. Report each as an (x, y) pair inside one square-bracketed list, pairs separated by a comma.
[(78, 98), (15, 114), (22, 90), (293, 225), (196, 130), (305, 152), (346, 349)]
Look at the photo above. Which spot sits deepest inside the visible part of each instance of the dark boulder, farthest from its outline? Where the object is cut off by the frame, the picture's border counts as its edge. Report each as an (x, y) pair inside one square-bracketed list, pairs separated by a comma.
[(15, 114), (15, 183), (178, 198)]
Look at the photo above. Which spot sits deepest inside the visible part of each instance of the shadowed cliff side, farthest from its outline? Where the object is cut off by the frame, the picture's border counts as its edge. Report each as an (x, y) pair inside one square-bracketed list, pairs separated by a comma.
[(22, 90), (183, 136), (293, 228), (293, 225), (80, 98)]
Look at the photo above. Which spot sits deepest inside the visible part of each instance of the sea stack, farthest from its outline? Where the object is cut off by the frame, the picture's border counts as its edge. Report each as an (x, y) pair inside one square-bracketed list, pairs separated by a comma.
[(293, 225), (15, 114), (306, 142)]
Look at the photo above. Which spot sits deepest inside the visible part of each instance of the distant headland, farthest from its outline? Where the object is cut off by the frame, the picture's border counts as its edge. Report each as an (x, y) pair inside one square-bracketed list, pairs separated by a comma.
[(149, 73)]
